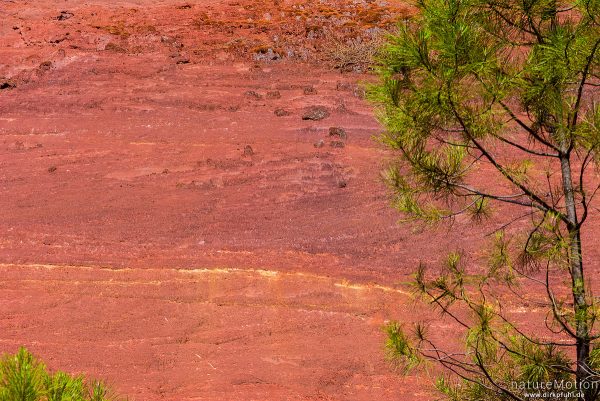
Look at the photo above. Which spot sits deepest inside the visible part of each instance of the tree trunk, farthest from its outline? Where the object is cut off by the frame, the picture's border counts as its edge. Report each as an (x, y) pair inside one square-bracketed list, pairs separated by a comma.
[(580, 305)]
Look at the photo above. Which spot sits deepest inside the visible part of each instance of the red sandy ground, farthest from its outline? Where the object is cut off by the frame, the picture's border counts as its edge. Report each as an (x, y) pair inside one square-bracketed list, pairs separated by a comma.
[(140, 245)]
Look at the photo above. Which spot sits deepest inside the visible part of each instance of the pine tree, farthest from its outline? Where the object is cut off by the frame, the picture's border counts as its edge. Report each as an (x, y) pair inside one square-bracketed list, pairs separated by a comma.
[(492, 105)]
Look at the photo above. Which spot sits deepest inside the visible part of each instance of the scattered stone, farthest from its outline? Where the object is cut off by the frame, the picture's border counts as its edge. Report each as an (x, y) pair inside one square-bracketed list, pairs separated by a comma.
[(319, 144), (64, 15), (184, 7), (327, 167), (253, 95), (7, 84), (310, 130), (357, 91), (248, 151), (282, 113), (51, 169), (165, 171), (45, 66), (169, 40), (115, 47), (18, 146), (183, 60), (273, 95), (266, 55), (315, 113), (337, 131), (342, 183), (59, 38), (341, 108), (337, 144), (344, 86), (309, 90)]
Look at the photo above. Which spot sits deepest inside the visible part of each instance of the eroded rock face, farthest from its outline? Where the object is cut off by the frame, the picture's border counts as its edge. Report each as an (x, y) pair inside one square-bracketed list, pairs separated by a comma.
[(149, 203)]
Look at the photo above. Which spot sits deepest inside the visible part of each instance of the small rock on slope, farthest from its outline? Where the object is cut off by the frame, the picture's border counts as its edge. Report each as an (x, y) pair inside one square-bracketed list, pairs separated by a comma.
[(315, 113)]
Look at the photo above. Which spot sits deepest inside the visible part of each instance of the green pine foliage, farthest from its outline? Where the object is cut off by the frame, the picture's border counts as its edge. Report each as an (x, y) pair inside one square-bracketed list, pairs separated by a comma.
[(25, 378), (491, 107)]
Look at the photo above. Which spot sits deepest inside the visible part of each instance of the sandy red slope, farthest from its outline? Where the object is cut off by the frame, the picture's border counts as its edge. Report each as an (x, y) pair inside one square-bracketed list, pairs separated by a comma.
[(141, 243)]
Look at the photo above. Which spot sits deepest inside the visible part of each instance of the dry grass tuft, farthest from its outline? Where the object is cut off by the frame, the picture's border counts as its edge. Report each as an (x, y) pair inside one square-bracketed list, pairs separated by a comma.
[(354, 54)]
